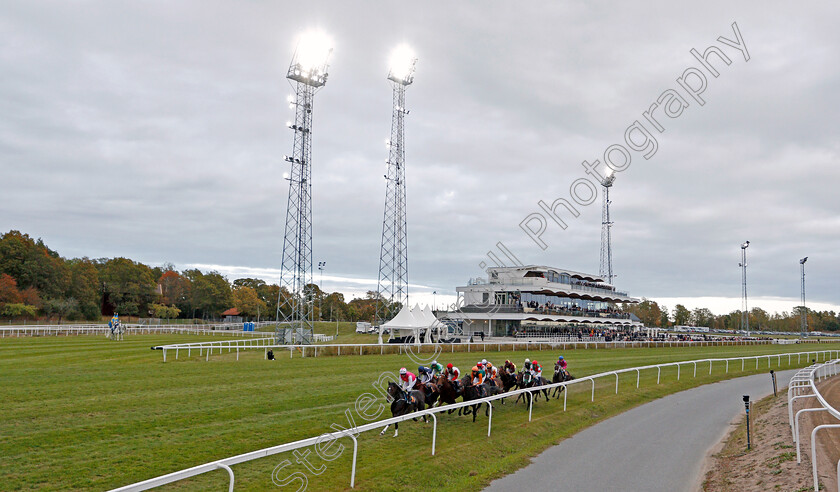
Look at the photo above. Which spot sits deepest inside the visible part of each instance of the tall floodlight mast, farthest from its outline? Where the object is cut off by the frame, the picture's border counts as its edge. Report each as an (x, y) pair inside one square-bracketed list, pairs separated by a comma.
[(307, 73), (393, 256), (803, 315), (606, 269), (745, 313)]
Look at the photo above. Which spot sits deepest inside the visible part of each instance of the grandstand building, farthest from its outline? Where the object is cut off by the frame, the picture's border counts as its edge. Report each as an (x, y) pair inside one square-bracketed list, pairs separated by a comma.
[(539, 301)]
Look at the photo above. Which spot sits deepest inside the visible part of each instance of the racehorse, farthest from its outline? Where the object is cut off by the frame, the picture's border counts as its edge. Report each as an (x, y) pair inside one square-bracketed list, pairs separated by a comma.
[(472, 393), (430, 390), (116, 331), (560, 376), (449, 391), (399, 406), (524, 379)]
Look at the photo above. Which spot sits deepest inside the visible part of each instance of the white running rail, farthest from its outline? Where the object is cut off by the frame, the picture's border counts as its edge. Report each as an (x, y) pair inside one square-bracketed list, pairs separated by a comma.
[(394, 348), (353, 432), (803, 386)]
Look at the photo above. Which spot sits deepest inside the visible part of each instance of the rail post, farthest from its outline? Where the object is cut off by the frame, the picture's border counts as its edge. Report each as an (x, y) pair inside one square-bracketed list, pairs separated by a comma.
[(490, 419), (637, 378), (796, 427), (434, 432), (593, 389), (565, 395), (230, 473), (658, 373), (814, 449), (616, 383), (355, 453), (530, 407)]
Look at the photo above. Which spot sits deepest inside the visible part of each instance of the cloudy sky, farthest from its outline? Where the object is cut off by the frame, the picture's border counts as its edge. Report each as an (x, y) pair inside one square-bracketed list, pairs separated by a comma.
[(156, 131)]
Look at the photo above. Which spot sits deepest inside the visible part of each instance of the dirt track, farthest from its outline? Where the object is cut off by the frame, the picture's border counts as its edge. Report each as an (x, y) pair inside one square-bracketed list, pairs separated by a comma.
[(771, 463)]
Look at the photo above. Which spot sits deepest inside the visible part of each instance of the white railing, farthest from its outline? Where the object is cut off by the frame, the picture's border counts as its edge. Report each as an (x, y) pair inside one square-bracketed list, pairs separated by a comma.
[(800, 385), (355, 431), (100, 329), (400, 348)]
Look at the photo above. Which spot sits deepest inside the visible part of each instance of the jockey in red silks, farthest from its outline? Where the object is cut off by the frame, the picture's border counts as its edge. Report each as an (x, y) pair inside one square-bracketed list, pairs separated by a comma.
[(407, 380), (452, 372)]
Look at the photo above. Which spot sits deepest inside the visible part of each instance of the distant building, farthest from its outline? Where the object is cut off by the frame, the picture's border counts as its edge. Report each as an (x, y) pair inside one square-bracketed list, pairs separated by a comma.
[(539, 300), (232, 315)]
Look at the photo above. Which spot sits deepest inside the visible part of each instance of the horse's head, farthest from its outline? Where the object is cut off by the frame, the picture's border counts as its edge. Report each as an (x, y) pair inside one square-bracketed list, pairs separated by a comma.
[(393, 390)]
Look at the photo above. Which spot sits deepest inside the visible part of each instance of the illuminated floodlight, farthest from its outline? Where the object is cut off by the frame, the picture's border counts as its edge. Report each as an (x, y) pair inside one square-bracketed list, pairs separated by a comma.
[(402, 64), (311, 60), (609, 178)]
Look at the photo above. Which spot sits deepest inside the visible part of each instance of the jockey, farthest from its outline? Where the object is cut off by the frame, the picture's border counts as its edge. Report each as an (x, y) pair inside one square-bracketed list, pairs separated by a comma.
[(425, 374), (437, 368), (492, 371), (536, 369), (477, 380), (561, 364), (510, 367), (452, 372), (407, 381), (527, 365), (477, 376)]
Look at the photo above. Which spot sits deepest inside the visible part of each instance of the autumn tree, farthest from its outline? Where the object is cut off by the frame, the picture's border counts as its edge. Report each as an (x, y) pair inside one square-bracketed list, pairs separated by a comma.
[(681, 315), (246, 300), (129, 285)]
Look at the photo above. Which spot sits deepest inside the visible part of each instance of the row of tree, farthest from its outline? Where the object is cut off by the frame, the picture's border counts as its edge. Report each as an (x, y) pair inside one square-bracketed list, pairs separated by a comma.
[(652, 314), (36, 282)]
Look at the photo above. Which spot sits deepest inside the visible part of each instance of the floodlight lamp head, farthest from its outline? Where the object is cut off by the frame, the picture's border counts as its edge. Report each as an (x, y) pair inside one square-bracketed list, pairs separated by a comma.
[(609, 179), (745, 245), (401, 69), (803, 260), (311, 60)]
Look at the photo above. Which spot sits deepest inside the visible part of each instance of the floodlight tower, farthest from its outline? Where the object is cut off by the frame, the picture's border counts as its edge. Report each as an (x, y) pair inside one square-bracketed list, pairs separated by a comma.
[(307, 74), (804, 313), (745, 313), (606, 269), (393, 255)]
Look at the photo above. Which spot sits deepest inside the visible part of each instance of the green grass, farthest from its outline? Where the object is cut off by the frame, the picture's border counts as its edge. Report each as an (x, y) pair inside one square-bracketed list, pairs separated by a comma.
[(346, 332), (88, 413)]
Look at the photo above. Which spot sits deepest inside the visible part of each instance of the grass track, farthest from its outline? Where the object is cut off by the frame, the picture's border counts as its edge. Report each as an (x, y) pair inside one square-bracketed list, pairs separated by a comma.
[(88, 413)]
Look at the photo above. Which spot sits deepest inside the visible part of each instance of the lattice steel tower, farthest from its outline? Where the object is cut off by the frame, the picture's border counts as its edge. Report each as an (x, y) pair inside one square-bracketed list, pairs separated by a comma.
[(606, 269), (307, 74), (393, 255)]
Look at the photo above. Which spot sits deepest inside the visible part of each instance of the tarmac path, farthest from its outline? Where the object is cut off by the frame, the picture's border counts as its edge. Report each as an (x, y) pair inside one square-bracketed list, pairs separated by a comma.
[(658, 446)]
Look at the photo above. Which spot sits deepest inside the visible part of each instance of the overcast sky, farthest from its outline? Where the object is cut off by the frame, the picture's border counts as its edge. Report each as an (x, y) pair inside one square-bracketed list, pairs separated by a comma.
[(156, 131)]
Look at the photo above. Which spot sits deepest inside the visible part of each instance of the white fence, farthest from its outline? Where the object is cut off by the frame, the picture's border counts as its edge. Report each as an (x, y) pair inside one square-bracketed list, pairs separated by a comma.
[(351, 433), (803, 386), (100, 329), (399, 348)]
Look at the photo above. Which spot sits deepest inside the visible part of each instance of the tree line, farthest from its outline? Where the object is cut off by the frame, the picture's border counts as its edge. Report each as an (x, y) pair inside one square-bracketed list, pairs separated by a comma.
[(38, 283), (652, 314)]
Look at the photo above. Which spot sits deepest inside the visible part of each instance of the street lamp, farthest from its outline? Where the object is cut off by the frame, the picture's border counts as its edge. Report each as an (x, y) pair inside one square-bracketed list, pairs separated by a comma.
[(745, 313), (321, 265), (804, 314), (434, 300)]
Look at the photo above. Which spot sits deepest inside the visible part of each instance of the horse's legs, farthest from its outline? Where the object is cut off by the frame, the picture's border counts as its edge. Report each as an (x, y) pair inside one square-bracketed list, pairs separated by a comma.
[(396, 429), (384, 430)]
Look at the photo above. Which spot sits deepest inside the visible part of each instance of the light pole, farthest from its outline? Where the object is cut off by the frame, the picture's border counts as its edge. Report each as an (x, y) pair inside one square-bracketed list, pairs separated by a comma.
[(321, 265), (804, 313), (745, 313), (434, 300)]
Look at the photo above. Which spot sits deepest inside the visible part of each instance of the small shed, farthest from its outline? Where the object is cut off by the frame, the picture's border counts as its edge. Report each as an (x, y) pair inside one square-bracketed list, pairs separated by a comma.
[(232, 315)]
